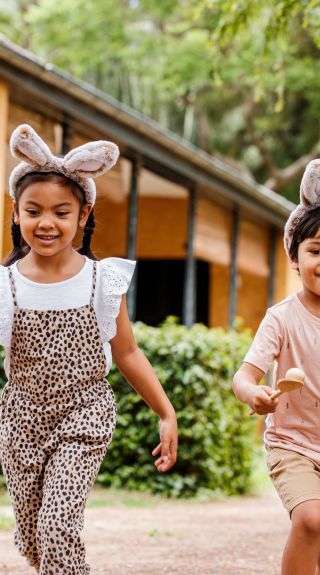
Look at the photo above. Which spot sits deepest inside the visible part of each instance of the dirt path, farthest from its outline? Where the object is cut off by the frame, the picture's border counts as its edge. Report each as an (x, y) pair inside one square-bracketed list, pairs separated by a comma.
[(237, 536)]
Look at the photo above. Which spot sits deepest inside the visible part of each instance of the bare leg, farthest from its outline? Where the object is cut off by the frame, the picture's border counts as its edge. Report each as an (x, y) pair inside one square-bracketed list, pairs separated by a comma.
[(301, 553), (318, 566)]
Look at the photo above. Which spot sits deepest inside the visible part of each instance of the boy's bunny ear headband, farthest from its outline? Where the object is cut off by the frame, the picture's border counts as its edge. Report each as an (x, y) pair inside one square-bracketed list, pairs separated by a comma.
[(309, 198), (81, 164)]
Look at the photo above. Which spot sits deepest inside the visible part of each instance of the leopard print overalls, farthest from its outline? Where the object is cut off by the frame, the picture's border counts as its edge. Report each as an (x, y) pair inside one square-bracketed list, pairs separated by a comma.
[(57, 418)]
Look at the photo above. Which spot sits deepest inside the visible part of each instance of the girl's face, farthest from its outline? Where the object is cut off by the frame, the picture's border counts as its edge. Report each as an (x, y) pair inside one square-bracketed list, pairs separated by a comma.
[(308, 263), (49, 216)]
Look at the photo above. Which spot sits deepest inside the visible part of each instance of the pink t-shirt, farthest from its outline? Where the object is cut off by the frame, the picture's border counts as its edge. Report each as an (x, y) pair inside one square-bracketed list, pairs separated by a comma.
[(289, 336)]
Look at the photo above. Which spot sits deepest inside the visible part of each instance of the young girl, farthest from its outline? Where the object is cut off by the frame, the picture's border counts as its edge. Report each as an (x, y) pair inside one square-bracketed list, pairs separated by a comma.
[(62, 317), (290, 335)]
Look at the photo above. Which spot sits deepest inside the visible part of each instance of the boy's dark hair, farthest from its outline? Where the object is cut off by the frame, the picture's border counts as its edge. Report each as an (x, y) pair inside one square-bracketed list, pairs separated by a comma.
[(20, 248), (306, 228)]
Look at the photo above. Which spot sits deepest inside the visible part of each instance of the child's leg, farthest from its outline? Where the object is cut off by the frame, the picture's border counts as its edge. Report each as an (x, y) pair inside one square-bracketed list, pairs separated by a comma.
[(70, 473), (297, 480), (302, 550), (24, 482), (318, 565)]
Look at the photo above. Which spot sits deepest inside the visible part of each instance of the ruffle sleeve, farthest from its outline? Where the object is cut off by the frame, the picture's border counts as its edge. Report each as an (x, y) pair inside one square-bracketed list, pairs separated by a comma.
[(6, 308), (116, 275)]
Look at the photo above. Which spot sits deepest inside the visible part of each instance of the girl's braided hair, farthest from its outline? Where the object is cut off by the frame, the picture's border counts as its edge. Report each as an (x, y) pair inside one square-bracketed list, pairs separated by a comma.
[(20, 247)]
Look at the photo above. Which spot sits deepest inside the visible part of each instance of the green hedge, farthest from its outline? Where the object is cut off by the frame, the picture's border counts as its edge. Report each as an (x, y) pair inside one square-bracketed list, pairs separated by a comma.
[(216, 443)]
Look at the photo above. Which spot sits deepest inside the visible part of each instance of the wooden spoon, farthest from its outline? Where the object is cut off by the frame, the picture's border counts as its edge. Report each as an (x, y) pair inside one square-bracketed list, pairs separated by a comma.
[(294, 380)]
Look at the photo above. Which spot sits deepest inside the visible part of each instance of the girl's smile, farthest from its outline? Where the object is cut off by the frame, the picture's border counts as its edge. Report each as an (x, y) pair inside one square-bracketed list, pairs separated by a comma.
[(46, 239)]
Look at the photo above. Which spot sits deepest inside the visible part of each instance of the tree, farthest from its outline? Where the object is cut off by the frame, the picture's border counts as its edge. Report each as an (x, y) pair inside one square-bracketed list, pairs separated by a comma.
[(280, 42)]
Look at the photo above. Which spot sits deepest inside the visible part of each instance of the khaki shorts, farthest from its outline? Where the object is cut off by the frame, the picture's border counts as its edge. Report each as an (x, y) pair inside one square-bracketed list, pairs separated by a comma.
[(295, 476)]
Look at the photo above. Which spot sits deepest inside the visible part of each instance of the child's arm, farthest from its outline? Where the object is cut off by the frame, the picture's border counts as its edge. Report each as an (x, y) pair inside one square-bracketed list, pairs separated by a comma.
[(139, 373), (247, 389)]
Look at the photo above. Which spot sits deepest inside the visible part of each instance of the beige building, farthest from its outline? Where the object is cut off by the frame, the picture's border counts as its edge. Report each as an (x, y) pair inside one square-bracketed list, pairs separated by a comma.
[(207, 238)]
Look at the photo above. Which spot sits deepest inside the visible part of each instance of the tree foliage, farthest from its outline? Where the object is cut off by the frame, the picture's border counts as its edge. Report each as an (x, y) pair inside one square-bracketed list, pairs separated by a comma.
[(236, 77)]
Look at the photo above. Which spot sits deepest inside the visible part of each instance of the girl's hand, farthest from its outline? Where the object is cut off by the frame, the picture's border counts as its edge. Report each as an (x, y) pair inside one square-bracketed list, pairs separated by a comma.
[(168, 444), (260, 400)]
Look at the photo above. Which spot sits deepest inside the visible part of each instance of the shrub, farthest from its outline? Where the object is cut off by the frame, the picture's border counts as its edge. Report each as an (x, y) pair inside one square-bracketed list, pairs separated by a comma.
[(195, 367), (216, 444)]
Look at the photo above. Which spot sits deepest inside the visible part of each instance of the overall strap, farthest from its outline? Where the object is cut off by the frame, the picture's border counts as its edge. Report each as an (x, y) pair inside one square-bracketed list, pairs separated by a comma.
[(94, 278), (13, 286)]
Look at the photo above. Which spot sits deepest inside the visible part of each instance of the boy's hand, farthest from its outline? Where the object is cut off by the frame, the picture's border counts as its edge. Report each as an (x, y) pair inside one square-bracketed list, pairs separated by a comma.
[(260, 400), (168, 444)]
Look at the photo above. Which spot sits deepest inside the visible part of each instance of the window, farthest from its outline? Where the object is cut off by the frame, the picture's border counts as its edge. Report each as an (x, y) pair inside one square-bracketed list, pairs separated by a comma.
[(160, 290)]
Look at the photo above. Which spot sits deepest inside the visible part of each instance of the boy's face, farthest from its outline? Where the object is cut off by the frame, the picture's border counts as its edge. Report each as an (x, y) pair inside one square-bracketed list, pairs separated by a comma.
[(308, 263)]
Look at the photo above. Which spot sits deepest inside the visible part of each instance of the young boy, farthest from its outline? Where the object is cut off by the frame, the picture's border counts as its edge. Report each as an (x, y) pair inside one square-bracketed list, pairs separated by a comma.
[(289, 335)]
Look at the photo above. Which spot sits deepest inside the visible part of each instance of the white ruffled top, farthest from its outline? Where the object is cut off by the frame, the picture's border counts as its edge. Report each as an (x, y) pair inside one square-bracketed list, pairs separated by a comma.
[(113, 279)]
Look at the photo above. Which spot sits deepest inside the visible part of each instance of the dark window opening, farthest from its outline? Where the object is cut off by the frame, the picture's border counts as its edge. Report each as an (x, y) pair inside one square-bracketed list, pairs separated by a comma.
[(160, 285)]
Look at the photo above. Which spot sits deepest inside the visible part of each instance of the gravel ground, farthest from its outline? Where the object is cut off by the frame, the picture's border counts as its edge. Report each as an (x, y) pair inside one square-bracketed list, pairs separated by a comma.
[(237, 536)]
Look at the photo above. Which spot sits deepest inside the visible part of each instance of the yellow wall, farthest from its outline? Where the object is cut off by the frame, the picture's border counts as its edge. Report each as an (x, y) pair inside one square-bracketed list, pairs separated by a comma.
[(253, 249), (252, 298), (162, 228), (110, 235), (212, 240), (4, 110), (213, 244), (253, 272), (7, 242), (219, 295)]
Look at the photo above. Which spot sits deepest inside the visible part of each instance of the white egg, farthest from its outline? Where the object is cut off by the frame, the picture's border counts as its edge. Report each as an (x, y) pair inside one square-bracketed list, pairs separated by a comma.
[(295, 373)]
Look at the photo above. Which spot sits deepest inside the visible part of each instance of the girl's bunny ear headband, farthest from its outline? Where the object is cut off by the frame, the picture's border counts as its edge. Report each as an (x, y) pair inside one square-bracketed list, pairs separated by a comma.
[(81, 164), (309, 198)]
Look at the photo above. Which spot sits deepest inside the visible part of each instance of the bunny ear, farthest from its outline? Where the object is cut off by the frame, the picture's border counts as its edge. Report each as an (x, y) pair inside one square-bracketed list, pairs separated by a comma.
[(310, 184), (92, 159), (28, 146)]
